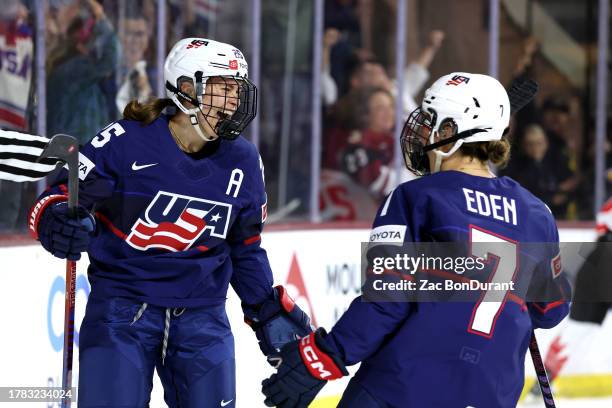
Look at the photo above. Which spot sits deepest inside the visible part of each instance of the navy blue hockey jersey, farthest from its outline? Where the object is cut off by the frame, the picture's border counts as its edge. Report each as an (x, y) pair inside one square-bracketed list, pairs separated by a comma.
[(454, 354), (174, 229)]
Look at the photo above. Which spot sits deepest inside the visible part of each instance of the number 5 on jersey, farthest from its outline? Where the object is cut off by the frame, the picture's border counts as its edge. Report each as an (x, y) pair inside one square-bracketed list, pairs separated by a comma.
[(114, 129)]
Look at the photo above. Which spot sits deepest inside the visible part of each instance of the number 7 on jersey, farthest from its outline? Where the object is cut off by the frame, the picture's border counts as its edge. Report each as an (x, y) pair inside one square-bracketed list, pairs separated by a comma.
[(503, 253)]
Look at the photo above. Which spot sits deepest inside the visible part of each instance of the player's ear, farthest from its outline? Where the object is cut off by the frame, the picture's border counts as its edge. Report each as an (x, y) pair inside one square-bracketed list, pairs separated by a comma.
[(188, 88)]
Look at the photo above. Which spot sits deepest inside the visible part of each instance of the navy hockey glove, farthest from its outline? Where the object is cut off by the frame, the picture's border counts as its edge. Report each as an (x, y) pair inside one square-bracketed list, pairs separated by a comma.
[(63, 235), (277, 321), (304, 367)]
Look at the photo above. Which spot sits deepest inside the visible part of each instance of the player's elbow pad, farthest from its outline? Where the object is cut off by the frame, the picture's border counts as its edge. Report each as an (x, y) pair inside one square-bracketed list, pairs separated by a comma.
[(277, 321), (548, 315)]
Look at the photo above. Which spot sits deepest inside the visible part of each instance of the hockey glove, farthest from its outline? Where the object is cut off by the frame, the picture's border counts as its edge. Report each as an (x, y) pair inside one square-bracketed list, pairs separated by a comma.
[(304, 368), (277, 321), (63, 235)]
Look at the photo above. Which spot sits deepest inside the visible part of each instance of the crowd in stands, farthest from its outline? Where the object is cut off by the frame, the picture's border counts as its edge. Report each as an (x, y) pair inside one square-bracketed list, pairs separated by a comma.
[(101, 56), (552, 155)]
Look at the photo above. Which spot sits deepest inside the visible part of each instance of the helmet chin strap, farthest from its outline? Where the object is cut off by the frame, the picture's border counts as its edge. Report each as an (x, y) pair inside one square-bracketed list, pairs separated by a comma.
[(199, 82), (193, 114), (440, 155), (438, 161), (193, 118)]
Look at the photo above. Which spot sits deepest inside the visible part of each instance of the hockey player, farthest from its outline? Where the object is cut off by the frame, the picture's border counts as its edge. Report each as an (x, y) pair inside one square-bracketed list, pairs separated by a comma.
[(591, 304), (171, 211), (441, 354)]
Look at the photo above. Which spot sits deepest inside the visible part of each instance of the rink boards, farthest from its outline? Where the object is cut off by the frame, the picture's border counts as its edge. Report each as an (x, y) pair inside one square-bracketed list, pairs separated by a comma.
[(320, 268)]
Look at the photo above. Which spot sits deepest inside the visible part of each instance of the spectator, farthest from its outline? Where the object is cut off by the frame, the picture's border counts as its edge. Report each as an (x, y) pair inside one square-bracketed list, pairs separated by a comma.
[(555, 114), (193, 18), (370, 73), (16, 48), (135, 74), (563, 145), (535, 169), (329, 89), (585, 194), (365, 159), (77, 104), (529, 114), (348, 19), (57, 19), (369, 155)]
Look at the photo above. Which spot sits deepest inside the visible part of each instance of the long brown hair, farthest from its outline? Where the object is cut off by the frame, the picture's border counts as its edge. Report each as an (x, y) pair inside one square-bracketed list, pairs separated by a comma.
[(495, 151), (146, 112)]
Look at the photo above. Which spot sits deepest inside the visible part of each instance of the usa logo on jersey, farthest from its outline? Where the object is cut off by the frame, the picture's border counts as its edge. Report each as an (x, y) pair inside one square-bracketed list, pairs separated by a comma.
[(174, 222)]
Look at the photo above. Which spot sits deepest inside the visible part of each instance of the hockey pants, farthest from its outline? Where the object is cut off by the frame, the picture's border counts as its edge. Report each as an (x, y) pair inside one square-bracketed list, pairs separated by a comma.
[(355, 396), (122, 341)]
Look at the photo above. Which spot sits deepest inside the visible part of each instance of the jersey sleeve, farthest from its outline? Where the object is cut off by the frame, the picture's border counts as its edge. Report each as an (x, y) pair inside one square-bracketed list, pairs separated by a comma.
[(99, 166), (550, 291), (354, 340), (252, 277)]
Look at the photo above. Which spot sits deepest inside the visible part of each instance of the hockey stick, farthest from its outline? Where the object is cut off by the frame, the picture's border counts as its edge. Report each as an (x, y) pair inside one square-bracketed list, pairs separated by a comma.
[(538, 364), (521, 92), (284, 211), (66, 149)]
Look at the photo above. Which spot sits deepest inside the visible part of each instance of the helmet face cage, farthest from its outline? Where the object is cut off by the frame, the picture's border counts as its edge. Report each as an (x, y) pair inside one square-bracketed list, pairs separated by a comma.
[(422, 133), (414, 138), (231, 102)]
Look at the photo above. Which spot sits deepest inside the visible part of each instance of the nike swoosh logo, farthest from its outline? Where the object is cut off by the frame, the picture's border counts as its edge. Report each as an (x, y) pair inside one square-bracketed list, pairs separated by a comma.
[(223, 403), (136, 167)]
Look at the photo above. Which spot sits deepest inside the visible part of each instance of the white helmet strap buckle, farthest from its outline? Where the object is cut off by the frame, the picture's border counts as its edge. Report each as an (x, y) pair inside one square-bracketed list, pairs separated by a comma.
[(199, 87), (194, 122), (456, 139)]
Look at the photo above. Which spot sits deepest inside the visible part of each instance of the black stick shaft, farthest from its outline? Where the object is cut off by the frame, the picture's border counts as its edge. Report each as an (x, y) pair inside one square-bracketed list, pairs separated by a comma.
[(538, 364), (66, 149), (69, 305)]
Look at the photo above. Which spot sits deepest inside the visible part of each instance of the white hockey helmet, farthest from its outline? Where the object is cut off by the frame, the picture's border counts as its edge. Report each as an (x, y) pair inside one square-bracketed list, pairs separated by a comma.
[(197, 60), (464, 108)]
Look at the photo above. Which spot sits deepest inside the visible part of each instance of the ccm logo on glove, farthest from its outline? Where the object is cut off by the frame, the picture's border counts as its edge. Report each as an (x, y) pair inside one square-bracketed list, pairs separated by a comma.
[(319, 364)]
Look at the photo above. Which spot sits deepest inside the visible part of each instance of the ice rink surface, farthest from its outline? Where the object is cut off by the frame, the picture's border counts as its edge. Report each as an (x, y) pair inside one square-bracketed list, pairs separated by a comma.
[(572, 403)]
